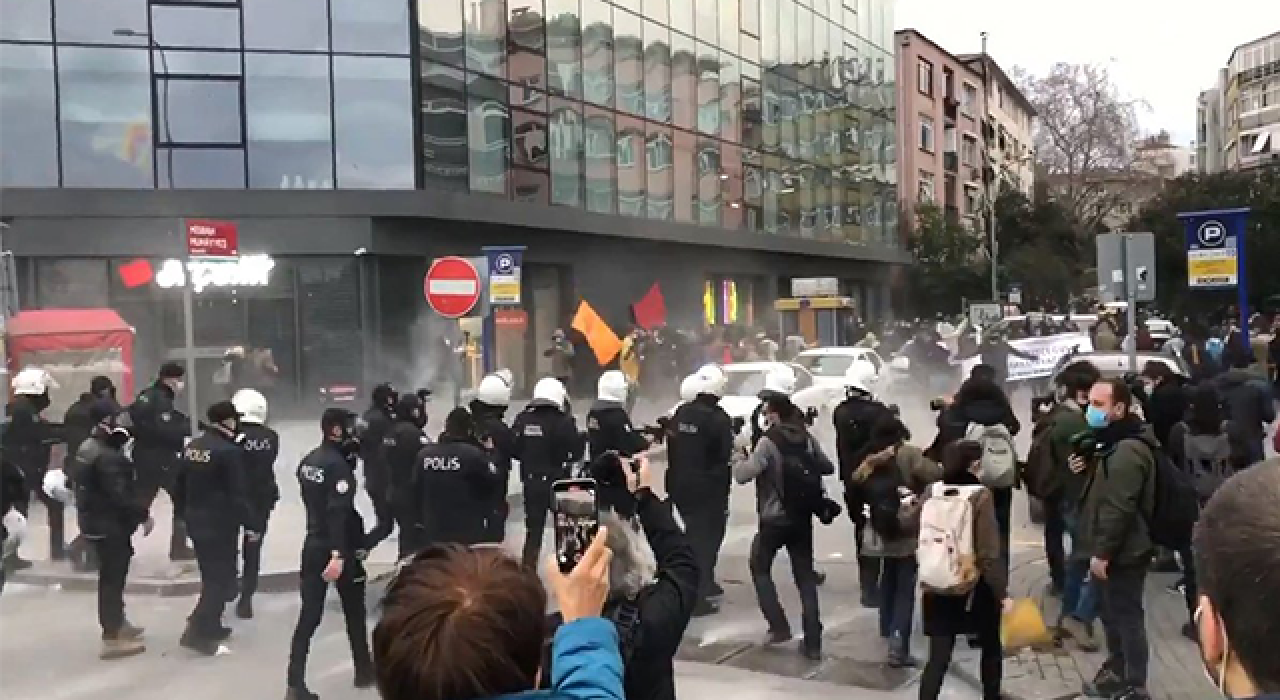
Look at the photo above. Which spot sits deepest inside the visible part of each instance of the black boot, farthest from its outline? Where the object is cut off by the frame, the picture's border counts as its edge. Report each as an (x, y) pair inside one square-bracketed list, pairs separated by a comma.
[(199, 643), (299, 692), (365, 677), (244, 608)]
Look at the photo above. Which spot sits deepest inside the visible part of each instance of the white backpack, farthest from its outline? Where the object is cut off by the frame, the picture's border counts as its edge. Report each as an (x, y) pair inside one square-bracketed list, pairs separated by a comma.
[(948, 560), (999, 458)]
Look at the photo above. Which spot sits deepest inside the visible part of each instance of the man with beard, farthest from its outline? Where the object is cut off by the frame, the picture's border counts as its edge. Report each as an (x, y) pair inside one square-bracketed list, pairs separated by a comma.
[(372, 431), (404, 442), (454, 483), (489, 408)]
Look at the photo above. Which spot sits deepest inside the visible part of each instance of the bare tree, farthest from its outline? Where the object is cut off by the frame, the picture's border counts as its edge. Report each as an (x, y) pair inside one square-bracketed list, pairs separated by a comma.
[(1086, 141)]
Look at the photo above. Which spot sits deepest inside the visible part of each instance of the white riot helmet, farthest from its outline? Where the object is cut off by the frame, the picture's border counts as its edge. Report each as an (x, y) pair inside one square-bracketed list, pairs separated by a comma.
[(713, 380), (612, 386), (494, 389), (860, 376), (506, 375), (689, 388), (32, 381), (780, 380), (550, 390), (251, 405)]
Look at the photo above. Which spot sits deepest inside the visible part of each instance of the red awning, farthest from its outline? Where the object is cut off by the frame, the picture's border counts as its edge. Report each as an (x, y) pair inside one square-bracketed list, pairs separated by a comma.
[(66, 322)]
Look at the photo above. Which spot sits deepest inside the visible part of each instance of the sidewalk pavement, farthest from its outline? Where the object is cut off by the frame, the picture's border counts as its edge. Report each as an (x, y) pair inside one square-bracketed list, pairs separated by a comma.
[(1175, 672)]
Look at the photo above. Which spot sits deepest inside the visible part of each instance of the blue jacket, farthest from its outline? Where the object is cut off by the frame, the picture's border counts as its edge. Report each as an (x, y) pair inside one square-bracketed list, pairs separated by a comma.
[(585, 664)]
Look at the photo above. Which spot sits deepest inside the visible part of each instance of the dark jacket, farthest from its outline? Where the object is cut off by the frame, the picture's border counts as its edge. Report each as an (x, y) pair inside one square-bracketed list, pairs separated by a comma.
[(107, 500), (1176, 445), (585, 664), (403, 444), (1118, 495), (1166, 407), (491, 423), (261, 447), (1067, 421), (698, 453), (28, 437), (455, 483), (979, 612), (158, 427), (1248, 401), (854, 419), (609, 428), (546, 442), (978, 402), (77, 425), (373, 428), (910, 468), (327, 482), (996, 354), (210, 488), (764, 466)]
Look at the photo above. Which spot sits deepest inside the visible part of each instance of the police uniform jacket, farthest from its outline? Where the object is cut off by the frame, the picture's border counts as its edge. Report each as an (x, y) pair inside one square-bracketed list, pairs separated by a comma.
[(455, 486), (609, 429), (28, 437), (374, 428), (261, 447), (490, 424), (403, 443), (327, 482), (546, 441), (107, 501), (699, 450), (210, 488), (159, 429)]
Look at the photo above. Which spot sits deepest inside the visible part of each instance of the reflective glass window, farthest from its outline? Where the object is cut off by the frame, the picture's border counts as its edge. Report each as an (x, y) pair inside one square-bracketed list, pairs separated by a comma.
[(597, 52), (105, 108), (631, 166), (707, 20), (370, 26), (486, 37), (657, 10), (804, 36), (564, 48), (657, 72), (729, 11), (527, 46), (528, 139), (731, 187), (752, 114), (198, 111), (730, 98), (299, 25), (633, 5), (599, 142), (684, 176), (440, 31), (487, 134), (682, 13), (711, 177), (287, 110), (196, 63), (530, 186), (28, 125), (564, 124), (200, 168), (629, 62), (177, 26), (749, 16), (786, 32), (444, 127), (708, 90), (29, 20), (659, 159), (769, 39), (95, 21), (373, 122), (684, 82)]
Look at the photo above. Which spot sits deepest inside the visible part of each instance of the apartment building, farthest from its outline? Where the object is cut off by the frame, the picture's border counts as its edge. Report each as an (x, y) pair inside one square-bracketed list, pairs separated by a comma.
[(1010, 118), (941, 103), (1239, 118), (1210, 129)]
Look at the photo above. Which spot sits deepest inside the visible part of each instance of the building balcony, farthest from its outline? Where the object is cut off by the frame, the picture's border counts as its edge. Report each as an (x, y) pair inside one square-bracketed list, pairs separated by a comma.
[(951, 161), (950, 107)]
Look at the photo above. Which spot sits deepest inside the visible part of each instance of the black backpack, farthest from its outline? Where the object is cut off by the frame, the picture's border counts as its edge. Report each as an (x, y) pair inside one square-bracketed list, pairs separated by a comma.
[(1176, 504), (1041, 475), (802, 494), (1208, 460), (884, 502)]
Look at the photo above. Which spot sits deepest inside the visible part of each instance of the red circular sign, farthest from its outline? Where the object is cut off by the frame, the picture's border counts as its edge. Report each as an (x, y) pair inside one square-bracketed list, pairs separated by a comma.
[(452, 286)]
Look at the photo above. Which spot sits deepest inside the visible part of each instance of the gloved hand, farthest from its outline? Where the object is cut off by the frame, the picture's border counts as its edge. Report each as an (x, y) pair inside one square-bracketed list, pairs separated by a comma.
[(15, 524), (252, 536), (55, 485), (361, 554)]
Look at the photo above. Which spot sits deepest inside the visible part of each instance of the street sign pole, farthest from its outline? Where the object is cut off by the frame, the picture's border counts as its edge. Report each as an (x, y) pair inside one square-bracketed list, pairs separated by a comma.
[(204, 239), (1216, 255), (1131, 300), (189, 338)]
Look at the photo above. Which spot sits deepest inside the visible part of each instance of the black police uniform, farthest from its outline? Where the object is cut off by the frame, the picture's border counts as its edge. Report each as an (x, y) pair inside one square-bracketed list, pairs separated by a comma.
[(328, 483), (546, 443), (261, 446), (211, 493), (28, 441), (698, 478), (13, 489), (455, 485), (490, 424), (611, 437), (110, 509), (853, 420), (160, 431), (403, 444), (374, 430)]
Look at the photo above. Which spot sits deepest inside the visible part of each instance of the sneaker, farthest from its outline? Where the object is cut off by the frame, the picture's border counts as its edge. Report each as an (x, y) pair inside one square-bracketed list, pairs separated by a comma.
[(705, 608), (244, 608), (199, 644), (365, 677), (773, 637), (222, 634), (128, 631), (1131, 693), (119, 648), (299, 693), (1078, 632), (902, 659), (716, 590), (820, 576), (1104, 685), (809, 651)]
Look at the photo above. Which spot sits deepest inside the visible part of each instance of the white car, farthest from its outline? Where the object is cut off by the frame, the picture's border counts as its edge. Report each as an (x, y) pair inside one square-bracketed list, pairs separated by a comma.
[(745, 380), (830, 366)]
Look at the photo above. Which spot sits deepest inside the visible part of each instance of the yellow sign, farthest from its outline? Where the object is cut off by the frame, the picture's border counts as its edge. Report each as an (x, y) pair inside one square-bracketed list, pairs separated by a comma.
[(504, 291), (1216, 267)]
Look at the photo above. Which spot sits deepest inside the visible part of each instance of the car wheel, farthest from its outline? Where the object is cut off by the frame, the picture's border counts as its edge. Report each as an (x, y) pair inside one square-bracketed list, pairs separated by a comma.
[(1035, 508)]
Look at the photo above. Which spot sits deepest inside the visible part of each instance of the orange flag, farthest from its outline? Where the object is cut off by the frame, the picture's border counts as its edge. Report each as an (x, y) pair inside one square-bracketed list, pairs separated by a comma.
[(603, 341)]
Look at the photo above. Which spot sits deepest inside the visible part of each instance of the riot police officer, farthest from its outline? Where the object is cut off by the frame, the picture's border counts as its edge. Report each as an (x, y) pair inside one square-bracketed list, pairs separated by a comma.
[(210, 492), (28, 441), (780, 381), (161, 430), (698, 475), (612, 441), (110, 510), (455, 483), (547, 443), (403, 443), (261, 446), (333, 550), (489, 409), (373, 431)]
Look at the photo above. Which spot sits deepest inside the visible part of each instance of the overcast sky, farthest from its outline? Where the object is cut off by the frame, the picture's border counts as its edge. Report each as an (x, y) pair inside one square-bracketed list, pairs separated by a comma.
[(1162, 51)]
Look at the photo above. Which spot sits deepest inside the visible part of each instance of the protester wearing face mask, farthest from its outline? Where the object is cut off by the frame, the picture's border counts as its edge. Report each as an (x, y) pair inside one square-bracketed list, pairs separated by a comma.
[(1115, 535), (1237, 552), (1166, 398)]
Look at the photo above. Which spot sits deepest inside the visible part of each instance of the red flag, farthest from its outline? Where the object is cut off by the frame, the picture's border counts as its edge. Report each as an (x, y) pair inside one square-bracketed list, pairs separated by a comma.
[(651, 311), (136, 273)]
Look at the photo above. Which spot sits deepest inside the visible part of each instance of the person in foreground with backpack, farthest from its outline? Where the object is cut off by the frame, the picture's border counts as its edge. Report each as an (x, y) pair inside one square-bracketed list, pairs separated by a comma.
[(787, 466), (964, 579), (884, 492), (1117, 506), (1237, 548)]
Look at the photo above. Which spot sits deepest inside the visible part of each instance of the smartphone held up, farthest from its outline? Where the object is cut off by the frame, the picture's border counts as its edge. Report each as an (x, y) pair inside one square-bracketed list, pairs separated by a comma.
[(576, 510)]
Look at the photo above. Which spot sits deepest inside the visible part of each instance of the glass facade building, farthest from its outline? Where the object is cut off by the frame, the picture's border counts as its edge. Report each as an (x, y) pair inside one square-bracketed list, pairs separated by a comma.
[(772, 116)]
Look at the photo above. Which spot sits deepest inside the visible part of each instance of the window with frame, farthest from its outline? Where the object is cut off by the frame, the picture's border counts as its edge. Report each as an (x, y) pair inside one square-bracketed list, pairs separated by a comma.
[(926, 134), (969, 98), (972, 202), (969, 150), (924, 77), (925, 193)]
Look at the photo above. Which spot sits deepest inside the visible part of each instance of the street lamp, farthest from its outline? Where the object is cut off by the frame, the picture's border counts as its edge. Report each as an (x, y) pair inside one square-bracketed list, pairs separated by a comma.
[(164, 97)]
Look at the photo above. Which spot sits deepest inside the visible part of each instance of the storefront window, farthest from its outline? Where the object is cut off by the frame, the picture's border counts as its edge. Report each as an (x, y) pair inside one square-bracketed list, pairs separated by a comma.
[(599, 144), (28, 128), (486, 38), (199, 111), (201, 168), (373, 122), (287, 101), (105, 98), (660, 165)]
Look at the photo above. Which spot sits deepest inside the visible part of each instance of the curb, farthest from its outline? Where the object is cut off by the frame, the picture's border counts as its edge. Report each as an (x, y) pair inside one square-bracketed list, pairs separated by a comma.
[(75, 582)]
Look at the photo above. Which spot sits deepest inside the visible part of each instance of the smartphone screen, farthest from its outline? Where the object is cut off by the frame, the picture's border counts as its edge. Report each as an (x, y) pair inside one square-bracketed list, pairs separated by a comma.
[(577, 518)]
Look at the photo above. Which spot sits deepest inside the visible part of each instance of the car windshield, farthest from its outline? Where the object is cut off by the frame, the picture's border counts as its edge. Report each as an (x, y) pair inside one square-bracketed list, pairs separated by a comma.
[(744, 382), (826, 365)]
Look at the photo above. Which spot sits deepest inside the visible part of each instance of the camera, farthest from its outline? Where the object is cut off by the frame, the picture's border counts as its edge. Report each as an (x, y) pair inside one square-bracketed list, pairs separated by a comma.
[(937, 404), (1084, 444)]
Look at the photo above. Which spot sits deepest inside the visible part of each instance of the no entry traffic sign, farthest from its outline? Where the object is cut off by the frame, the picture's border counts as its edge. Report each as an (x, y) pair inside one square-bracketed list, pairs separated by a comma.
[(452, 286)]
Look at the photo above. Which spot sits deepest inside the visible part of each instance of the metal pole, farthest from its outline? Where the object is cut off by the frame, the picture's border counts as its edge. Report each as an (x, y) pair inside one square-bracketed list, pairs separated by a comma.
[(189, 337), (987, 185), (1130, 294)]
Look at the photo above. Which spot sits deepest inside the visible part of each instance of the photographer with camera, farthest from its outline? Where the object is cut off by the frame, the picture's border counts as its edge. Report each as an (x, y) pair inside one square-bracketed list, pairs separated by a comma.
[(788, 465)]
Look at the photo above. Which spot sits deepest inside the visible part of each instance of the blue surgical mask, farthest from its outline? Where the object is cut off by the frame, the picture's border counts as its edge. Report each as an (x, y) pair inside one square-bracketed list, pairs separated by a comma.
[(1096, 417)]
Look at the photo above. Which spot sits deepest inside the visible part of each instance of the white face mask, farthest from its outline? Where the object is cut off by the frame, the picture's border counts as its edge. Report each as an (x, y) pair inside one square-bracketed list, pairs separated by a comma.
[(178, 385), (1221, 682)]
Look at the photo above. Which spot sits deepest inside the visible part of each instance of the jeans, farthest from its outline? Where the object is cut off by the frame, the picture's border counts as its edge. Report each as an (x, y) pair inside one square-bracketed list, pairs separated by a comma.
[(312, 589), (705, 525), (798, 541), (897, 600), (1055, 528), (940, 652), (537, 501), (114, 555), (1079, 594), (216, 556), (868, 572), (1124, 622)]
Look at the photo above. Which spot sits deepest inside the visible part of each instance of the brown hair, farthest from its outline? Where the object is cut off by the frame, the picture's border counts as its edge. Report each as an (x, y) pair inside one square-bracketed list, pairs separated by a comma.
[(460, 624)]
